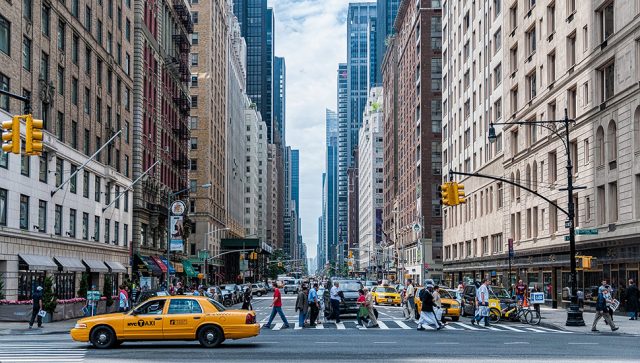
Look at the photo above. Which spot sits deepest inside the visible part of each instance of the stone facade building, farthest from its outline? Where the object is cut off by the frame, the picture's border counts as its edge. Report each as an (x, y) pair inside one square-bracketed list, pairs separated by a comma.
[(75, 60), (584, 59)]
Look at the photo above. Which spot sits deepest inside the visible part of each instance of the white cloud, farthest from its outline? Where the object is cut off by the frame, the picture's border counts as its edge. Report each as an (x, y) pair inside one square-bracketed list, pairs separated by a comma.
[(311, 35)]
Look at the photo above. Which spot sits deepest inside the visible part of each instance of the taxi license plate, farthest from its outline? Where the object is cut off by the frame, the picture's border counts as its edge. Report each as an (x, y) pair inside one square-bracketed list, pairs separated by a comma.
[(389, 300)]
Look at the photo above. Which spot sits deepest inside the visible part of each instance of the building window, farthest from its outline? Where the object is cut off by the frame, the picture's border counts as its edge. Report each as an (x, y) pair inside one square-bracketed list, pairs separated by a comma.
[(96, 229), (107, 230), (5, 35), (85, 184), (3, 207), (57, 225), (194, 17), (572, 102), (194, 80), (605, 21), (75, 48), (24, 212), (552, 160), (571, 50), (43, 168), (193, 125), (59, 171), (194, 101), (531, 85), (194, 164), (73, 183), (117, 194), (4, 85), (551, 67), (497, 40), (74, 91), (125, 234), (553, 218), (194, 59), (531, 41), (514, 100), (194, 143), (26, 53), (74, 134), (116, 233), (42, 216), (45, 19), (497, 75), (87, 100), (25, 165), (612, 144), (612, 206), (194, 38), (72, 223), (606, 76)]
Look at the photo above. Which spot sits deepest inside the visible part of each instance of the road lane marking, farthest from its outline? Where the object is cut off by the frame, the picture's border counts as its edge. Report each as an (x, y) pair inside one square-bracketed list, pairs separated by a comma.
[(340, 326), (382, 325), (535, 330), (402, 324), (446, 343), (326, 342), (385, 343), (514, 343), (582, 343)]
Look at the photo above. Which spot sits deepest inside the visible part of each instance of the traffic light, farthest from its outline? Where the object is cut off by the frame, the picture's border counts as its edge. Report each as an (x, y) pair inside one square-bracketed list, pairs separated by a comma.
[(350, 254), (458, 194), (34, 136), (11, 135), (585, 262), (445, 194)]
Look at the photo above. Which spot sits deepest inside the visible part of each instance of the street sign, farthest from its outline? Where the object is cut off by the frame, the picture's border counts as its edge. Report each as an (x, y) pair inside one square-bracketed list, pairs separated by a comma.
[(589, 231), (568, 223)]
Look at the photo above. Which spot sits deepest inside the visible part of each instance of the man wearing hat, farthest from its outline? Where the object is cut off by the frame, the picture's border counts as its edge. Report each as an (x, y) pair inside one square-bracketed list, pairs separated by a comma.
[(37, 306)]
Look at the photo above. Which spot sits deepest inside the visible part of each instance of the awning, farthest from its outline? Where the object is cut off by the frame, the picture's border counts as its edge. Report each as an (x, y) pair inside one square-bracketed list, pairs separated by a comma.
[(116, 266), (188, 269), (177, 266), (151, 266), (172, 271), (37, 262), (160, 264), (96, 265), (70, 264)]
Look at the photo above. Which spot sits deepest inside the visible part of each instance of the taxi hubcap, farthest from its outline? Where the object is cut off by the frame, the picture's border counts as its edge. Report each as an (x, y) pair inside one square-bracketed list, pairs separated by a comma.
[(210, 336), (103, 338)]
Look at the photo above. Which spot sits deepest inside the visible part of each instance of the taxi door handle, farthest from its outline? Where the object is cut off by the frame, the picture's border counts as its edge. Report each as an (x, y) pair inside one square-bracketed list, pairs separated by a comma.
[(196, 317), (158, 318)]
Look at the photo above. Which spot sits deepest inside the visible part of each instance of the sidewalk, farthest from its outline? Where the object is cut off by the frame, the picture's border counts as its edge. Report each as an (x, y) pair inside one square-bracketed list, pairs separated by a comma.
[(558, 318), (22, 328)]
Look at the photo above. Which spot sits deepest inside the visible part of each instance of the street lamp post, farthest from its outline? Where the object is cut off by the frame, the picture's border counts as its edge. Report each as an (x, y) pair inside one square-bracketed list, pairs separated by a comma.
[(170, 200), (574, 314)]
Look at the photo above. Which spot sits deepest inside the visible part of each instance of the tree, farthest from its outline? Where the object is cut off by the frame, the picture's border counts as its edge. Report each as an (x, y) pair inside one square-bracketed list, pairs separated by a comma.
[(277, 268), (107, 290), (84, 285), (49, 301)]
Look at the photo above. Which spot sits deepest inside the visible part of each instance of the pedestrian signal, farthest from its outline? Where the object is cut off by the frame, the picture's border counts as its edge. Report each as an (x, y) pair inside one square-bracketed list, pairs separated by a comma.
[(11, 136)]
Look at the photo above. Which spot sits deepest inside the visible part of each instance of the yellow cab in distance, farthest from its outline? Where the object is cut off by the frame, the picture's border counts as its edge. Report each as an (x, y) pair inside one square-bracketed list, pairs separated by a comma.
[(168, 318), (386, 295), (450, 305)]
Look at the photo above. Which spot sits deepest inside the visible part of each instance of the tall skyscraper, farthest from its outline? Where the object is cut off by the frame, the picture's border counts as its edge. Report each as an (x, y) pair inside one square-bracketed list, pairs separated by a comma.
[(330, 187), (279, 99), (256, 24), (341, 159), (387, 11), (295, 178)]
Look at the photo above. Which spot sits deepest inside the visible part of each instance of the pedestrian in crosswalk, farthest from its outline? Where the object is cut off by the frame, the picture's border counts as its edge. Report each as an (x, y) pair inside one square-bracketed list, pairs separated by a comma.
[(482, 303), (373, 321), (410, 295), (427, 315), (36, 307), (277, 308), (314, 305)]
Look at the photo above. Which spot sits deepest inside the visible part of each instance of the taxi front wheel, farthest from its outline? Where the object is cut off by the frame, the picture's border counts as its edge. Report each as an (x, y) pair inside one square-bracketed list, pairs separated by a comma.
[(103, 337), (210, 336)]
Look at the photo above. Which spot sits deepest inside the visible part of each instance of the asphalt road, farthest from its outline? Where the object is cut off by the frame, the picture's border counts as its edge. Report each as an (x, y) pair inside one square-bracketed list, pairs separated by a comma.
[(334, 343)]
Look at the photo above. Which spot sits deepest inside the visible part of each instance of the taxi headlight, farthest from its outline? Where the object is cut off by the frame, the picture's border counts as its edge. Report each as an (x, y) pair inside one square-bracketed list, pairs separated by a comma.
[(80, 326)]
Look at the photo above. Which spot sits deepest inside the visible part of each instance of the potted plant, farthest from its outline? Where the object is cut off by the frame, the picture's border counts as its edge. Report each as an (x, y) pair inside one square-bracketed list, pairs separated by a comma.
[(49, 300)]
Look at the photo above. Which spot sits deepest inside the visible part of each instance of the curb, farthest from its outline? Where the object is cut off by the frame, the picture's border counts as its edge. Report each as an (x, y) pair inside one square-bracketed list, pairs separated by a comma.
[(32, 332)]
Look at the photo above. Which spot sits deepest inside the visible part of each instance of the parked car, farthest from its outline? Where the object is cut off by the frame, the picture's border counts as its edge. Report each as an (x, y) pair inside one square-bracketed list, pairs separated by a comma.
[(258, 289), (235, 291)]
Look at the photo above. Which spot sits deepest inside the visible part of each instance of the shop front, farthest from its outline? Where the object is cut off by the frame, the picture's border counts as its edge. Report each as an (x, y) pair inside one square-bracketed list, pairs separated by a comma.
[(616, 261)]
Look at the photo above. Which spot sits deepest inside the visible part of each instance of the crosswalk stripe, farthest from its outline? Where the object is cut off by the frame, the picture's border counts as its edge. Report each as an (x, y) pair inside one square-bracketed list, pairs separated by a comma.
[(512, 328), (320, 326), (535, 330), (278, 326), (297, 326), (340, 326), (450, 327), (402, 324), (466, 326), (382, 325), (491, 328)]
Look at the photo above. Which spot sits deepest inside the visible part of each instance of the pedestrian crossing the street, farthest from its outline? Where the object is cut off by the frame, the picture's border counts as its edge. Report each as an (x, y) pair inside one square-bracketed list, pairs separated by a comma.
[(397, 324), (33, 351)]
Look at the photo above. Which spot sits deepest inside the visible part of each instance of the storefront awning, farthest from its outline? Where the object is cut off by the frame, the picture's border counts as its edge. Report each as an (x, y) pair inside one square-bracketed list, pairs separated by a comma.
[(172, 271), (188, 269), (96, 265), (160, 264), (148, 264), (116, 266), (177, 266), (38, 262), (70, 264)]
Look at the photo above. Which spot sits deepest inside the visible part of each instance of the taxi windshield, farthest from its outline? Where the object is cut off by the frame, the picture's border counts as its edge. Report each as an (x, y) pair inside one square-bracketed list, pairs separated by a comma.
[(445, 294), (388, 290), (500, 293)]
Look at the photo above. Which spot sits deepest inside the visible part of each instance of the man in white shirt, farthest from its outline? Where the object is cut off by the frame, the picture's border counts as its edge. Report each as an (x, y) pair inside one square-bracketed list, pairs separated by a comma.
[(482, 298), (335, 298), (409, 296)]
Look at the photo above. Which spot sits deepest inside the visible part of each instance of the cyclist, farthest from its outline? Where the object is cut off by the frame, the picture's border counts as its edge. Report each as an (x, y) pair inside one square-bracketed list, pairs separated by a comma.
[(521, 290)]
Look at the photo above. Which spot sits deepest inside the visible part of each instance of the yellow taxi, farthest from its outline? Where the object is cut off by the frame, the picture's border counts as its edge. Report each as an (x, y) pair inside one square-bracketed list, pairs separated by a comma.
[(386, 295), (168, 318), (451, 306)]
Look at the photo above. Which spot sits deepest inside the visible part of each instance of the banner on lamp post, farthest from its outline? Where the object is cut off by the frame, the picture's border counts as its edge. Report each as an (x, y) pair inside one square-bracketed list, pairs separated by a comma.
[(177, 233)]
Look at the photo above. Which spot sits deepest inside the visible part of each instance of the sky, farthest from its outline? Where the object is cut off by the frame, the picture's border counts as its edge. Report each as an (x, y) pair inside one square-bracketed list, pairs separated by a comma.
[(311, 35)]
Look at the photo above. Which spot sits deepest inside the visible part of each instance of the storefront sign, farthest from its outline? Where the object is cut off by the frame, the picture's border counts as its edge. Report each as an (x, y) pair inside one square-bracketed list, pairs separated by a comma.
[(177, 233)]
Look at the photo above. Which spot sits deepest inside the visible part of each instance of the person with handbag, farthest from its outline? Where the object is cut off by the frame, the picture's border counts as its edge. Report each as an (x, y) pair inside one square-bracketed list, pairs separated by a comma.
[(37, 306), (363, 312), (373, 321), (482, 299)]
